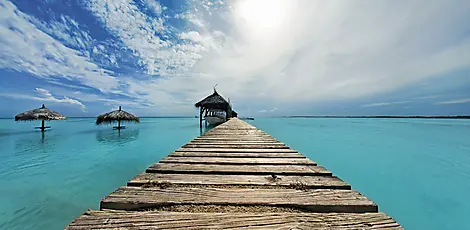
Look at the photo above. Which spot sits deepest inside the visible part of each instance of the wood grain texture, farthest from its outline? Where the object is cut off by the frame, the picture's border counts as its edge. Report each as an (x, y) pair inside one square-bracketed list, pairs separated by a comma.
[(270, 140), (254, 155), (239, 169), (239, 177), (234, 150), (238, 161), (176, 220), (235, 146), (221, 130), (248, 132), (315, 200), (312, 182), (234, 135), (211, 142)]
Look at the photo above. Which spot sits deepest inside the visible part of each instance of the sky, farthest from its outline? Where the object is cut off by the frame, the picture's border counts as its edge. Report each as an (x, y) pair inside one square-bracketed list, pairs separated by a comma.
[(269, 57)]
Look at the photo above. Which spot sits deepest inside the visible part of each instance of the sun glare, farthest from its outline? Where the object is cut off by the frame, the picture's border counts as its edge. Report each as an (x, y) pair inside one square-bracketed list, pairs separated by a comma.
[(262, 14)]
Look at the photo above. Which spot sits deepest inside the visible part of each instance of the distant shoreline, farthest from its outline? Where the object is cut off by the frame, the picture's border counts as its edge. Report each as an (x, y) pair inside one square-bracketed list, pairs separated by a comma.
[(407, 117), (309, 116)]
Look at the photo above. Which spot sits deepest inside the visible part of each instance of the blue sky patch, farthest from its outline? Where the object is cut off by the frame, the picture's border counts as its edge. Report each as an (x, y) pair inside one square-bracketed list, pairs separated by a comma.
[(270, 57)]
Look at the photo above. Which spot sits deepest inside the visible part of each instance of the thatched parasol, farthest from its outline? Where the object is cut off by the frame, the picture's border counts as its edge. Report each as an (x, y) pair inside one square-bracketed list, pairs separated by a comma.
[(43, 114), (213, 101), (117, 115)]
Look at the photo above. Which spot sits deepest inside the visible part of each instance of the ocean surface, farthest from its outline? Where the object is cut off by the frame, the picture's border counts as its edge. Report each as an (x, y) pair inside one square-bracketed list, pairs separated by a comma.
[(416, 170)]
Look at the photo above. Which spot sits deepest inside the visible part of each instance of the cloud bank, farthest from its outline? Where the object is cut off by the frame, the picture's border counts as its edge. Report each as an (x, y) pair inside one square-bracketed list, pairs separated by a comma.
[(273, 52)]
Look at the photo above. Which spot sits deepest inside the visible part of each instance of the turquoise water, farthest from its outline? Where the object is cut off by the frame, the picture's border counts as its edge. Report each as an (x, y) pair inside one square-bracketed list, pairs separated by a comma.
[(418, 171)]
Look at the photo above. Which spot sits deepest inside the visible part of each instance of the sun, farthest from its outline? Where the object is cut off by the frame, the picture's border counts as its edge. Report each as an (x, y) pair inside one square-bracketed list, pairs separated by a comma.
[(262, 14)]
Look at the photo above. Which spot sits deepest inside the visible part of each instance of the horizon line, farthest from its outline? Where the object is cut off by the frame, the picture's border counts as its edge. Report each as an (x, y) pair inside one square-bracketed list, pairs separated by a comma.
[(308, 116)]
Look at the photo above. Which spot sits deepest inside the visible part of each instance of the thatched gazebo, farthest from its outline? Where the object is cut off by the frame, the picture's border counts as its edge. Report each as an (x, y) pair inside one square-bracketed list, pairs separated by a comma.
[(116, 115), (43, 114), (213, 102)]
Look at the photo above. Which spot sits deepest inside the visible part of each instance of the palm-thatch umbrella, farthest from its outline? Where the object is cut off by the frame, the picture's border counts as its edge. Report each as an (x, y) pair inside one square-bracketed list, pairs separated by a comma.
[(43, 114), (116, 115)]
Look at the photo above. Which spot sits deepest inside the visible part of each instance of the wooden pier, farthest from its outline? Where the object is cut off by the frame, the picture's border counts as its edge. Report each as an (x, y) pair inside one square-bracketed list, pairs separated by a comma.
[(235, 176)]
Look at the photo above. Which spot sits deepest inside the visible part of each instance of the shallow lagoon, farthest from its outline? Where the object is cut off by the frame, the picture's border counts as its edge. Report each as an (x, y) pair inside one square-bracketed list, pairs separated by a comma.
[(416, 170)]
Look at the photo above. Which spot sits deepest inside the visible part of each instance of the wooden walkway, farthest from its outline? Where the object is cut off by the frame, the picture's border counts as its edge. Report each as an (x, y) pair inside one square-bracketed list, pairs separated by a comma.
[(235, 176)]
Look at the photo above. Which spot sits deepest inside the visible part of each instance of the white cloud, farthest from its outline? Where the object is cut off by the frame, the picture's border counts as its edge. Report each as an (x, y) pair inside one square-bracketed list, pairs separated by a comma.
[(154, 6), (134, 103), (332, 50), (386, 103), (191, 17), (25, 48), (192, 36), (66, 30), (271, 110), (428, 97), (45, 95), (459, 101), (319, 50), (138, 32)]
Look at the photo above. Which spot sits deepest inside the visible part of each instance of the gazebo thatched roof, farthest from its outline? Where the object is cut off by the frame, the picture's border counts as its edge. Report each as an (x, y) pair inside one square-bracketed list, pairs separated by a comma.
[(117, 115), (214, 101), (42, 113)]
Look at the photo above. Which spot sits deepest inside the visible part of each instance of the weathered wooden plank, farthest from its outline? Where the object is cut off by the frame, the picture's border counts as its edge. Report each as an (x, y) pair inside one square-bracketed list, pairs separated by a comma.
[(107, 220), (236, 129), (222, 129), (236, 135), (238, 160), (211, 142), (311, 182), (316, 200), (233, 131), (239, 169), (216, 154), (235, 146), (219, 132), (221, 150), (236, 139)]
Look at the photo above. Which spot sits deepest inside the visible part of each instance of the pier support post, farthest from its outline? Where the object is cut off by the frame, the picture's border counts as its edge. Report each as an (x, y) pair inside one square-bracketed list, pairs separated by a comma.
[(200, 117)]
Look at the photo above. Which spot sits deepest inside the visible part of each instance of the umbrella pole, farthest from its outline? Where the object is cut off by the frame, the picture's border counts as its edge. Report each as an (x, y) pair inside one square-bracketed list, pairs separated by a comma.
[(119, 124), (42, 126)]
